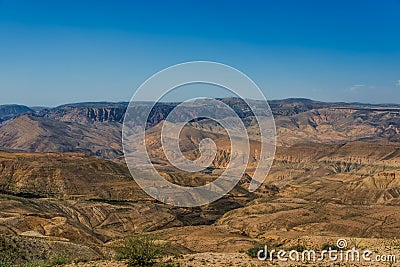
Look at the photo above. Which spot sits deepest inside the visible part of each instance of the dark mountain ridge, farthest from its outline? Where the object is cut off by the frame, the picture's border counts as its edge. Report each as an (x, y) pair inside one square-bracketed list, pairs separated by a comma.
[(114, 111), (11, 111)]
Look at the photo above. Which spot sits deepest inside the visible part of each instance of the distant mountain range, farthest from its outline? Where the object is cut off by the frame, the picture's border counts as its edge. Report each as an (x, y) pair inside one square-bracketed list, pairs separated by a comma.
[(95, 128), (114, 111)]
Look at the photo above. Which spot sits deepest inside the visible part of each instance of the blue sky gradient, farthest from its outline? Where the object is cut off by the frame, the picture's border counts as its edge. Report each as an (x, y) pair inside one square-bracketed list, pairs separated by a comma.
[(56, 52)]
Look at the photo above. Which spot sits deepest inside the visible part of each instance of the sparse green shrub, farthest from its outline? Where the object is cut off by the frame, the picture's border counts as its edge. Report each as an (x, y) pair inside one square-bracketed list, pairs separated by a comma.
[(252, 252), (326, 246), (140, 250), (298, 248), (355, 243), (60, 260), (36, 264), (8, 252)]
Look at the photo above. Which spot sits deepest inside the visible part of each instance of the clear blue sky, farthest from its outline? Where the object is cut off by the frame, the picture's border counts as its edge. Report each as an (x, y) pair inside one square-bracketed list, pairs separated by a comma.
[(55, 52)]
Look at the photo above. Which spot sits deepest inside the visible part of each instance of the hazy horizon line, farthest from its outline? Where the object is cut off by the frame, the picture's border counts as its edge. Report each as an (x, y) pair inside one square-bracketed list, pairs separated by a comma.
[(171, 102)]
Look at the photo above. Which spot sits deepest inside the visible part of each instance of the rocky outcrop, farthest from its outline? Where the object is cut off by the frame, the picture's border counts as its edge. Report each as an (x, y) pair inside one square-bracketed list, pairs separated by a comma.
[(86, 113)]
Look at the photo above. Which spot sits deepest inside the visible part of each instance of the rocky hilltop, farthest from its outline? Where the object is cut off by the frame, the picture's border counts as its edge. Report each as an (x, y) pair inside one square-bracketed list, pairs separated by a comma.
[(86, 112), (11, 111)]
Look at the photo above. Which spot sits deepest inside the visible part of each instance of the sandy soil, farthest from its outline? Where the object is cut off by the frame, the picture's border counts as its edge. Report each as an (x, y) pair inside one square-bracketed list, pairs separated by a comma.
[(230, 259)]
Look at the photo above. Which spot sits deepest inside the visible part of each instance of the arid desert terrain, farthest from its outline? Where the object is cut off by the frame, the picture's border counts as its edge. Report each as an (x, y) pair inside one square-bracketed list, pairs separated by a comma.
[(66, 192)]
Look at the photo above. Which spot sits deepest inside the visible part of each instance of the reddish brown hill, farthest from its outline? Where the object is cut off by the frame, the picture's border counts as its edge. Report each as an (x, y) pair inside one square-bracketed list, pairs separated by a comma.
[(36, 134)]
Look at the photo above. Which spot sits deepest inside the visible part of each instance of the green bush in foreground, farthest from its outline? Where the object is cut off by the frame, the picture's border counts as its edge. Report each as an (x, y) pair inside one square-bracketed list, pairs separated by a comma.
[(60, 260), (36, 264), (140, 250), (328, 247), (252, 252), (8, 253)]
